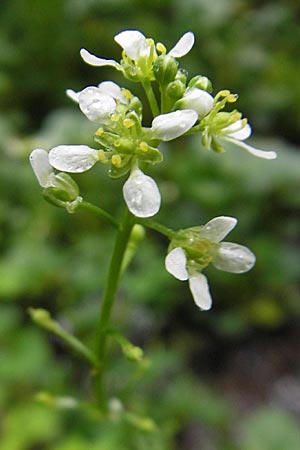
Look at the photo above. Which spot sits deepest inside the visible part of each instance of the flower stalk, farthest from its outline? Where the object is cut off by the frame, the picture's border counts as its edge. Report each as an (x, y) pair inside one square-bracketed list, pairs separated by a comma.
[(113, 277)]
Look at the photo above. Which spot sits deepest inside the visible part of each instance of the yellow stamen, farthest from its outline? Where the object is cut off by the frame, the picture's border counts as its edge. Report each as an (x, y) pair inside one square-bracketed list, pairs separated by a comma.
[(101, 155), (99, 132), (115, 117), (128, 123), (161, 48), (116, 160), (150, 42), (144, 146), (127, 94)]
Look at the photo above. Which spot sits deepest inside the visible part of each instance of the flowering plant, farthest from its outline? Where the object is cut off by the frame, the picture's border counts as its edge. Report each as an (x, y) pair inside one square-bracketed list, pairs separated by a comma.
[(129, 148)]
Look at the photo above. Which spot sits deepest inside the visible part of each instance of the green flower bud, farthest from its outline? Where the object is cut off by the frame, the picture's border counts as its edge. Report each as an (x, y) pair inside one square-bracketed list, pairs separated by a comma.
[(201, 82), (175, 89), (165, 69)]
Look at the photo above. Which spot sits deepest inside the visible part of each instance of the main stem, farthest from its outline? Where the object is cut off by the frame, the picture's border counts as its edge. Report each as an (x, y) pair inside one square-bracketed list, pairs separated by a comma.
[(108, 298)]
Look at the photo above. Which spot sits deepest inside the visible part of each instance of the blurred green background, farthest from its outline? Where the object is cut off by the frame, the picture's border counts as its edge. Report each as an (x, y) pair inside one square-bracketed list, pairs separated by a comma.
[(228, 379)]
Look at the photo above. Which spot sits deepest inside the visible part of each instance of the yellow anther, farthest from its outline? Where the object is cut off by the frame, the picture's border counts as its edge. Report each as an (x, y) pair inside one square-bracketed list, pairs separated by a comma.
[(231, 98), (150, 42), (101, 155), (144, 146), (127, 94), (128, 123), (99, 132), (115, 117), (116, 160), (161, 48)]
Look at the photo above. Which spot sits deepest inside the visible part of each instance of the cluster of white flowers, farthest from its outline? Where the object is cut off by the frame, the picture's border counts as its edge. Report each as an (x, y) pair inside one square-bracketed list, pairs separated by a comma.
[(128, 147)]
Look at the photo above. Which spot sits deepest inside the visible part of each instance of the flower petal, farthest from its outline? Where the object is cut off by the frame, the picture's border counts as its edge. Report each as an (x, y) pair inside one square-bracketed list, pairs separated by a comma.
[(200, 291), (97, 106), (172, 125), (93, 60), (237, 131), (199, 100), (141, 194), (134, 43), (39, 160), (73, 95), (254, 151), (73, 158), (183, 46), (175, 263), (234, 258), (216, 229), (112, 89)]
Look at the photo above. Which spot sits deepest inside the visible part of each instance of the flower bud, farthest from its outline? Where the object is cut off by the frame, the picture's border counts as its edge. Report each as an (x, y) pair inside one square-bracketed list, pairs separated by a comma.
[(175, 89), (165, 69), (201, 82)]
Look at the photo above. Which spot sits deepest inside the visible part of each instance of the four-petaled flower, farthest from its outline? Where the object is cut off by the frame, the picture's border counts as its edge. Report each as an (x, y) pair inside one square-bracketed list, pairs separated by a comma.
[(140, 50), (194, 248)]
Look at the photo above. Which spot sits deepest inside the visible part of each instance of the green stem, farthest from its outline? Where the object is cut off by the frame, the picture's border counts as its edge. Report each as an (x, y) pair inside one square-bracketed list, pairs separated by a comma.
[(99, 212), (43, 318), (151, 97), (157, 227), (108, 298)]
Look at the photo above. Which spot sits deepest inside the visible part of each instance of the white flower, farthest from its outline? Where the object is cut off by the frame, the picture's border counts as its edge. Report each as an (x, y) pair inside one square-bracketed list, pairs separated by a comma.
[(73, 158), (197, 99), (136, 46), (39, 160), (229, 257), (237, 132), (172, 125), (141, 194)]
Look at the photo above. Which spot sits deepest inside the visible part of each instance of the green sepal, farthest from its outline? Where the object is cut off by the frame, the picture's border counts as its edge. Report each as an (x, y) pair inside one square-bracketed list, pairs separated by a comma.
[(152, 156), (216, 146), (117, 172)]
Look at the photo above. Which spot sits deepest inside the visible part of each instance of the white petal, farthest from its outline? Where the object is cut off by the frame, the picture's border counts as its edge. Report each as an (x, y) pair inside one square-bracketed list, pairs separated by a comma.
[(172, 125), (73, 95), (93, 60), (141, 194), (183, 46), (134, 43), (200, 291), (237, 131), (73, 158), (97, 106), (176, 264), (112, 89), (234, 258), (39, 160), (217, 228), (199, 100), (254, 151)]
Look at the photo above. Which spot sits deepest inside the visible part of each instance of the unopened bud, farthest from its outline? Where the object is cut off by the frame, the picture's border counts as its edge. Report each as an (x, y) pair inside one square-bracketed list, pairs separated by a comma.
[(201, 82), (165, 69), (175, 89)]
